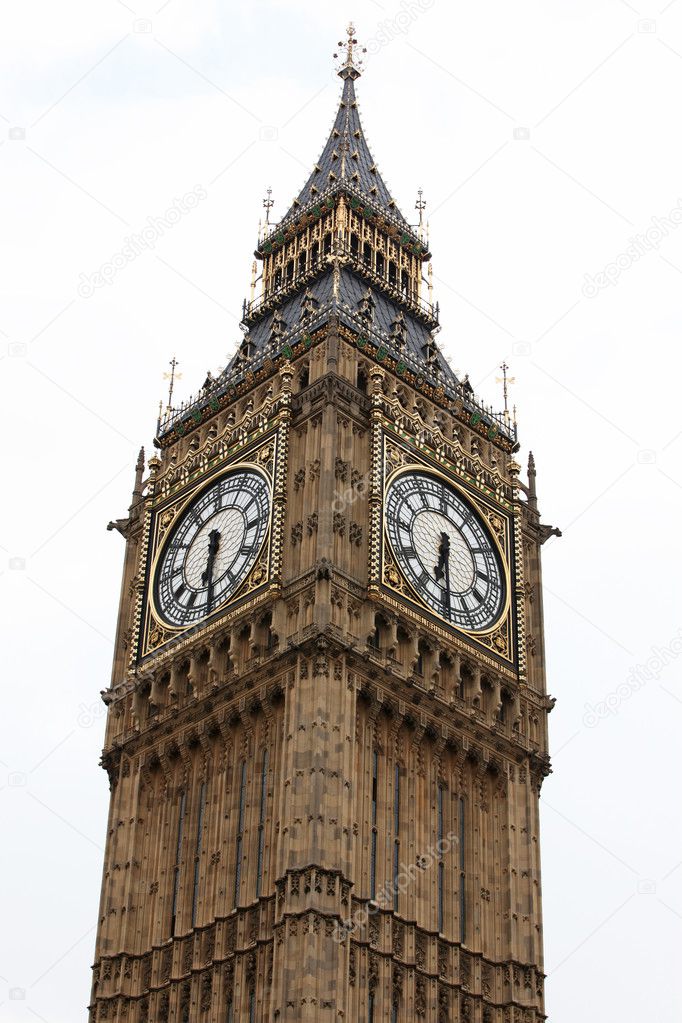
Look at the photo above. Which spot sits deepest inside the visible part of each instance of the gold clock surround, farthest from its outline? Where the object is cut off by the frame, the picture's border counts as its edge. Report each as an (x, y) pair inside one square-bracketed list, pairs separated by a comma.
[(498, 638)]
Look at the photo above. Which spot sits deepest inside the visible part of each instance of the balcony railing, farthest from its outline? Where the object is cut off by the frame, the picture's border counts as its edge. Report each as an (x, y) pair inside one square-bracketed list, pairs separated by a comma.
[(347, 187)]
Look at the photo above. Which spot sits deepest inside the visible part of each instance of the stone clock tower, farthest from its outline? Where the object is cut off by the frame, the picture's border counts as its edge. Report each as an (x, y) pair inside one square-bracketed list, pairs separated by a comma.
[(327, 721)]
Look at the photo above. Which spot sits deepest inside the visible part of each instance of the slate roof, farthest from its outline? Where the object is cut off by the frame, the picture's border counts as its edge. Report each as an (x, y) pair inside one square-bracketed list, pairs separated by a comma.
[(358, 166), (418, 339)]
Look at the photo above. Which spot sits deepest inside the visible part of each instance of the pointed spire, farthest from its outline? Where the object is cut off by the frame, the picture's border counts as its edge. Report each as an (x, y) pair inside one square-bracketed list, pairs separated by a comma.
[(346, 155), (532, 496)]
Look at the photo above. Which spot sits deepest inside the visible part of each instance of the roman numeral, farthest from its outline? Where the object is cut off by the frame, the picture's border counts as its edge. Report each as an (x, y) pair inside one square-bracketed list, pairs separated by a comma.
[(483, 576), (179, 592), (190, 602)]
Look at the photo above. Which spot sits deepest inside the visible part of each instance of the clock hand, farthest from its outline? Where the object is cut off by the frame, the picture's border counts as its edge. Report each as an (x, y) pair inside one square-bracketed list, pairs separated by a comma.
[(442, 570), (207, 575)]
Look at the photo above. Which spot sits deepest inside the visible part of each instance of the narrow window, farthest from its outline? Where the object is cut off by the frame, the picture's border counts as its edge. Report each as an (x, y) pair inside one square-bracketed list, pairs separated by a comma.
[(462, 876), (314, 253), (392, 273), (354, 244), (373, 860), (367, 254), (178, 859), (261, 822), (240, 833), (327, 244), (278, 279), (396, 836), (230, 1013), (370, 1007), (302, 261), (405, 283), (441, 865), (381, 262), (252, 1007), (394, 1014), (290, 270), (197, 852)]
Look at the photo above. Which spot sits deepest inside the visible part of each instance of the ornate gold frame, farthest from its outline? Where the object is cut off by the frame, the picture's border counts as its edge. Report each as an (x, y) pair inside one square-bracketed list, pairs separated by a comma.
[(501, 637), (155, 632)]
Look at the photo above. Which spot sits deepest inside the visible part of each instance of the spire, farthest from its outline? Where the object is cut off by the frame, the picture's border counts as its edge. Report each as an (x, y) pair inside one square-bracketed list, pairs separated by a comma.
[(532, 497), (346, 155)]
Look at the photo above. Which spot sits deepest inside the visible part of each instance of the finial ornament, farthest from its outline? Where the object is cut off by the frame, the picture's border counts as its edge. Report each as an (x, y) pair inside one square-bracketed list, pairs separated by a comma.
[(505, 381), (420, 206), (351, 66), (171, 378), (268, 203)]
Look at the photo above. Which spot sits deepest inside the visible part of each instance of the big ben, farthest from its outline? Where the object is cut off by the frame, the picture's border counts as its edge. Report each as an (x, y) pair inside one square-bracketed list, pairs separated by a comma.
[(327, 720)]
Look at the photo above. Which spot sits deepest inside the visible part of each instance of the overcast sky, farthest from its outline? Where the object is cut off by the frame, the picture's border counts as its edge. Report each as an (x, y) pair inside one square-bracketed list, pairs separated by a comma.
[(546, 137)]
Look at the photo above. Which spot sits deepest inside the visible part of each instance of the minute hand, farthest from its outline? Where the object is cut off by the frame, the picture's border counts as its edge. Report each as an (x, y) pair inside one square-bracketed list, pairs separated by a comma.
[(207, 575), (442, 570)]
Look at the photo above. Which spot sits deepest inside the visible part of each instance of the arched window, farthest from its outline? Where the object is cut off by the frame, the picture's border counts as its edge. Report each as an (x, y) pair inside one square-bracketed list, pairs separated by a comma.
[(197, 852), (178, 861), (381, 264), (392, 274), (354, 244), (367, 254), (261, 822), (239, 844), (373, 851), (302, 257)]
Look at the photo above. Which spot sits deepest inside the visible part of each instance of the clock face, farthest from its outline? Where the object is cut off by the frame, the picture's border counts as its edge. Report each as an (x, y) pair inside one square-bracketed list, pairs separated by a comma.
[(445, 551), (212, 547)]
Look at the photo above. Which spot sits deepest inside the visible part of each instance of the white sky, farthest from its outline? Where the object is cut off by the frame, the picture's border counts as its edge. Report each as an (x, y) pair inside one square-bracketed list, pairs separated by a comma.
[(117, 124)]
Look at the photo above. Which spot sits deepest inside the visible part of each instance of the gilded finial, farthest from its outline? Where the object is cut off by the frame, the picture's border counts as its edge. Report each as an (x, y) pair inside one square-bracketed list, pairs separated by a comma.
[(351, 66), (420, 206), (171, 378), (268, 203), (506, 381)]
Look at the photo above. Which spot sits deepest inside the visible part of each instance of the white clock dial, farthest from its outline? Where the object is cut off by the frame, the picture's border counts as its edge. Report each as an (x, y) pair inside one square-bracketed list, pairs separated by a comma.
[(212, 548), (445, 550)]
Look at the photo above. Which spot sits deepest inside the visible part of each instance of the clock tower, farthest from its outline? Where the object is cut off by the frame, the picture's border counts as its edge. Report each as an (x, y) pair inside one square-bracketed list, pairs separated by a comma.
[(327, 719)]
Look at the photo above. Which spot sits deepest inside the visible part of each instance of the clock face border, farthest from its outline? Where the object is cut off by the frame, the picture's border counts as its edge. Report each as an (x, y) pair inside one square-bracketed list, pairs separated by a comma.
[(500, 639), (153, 633), (165, 542), (483, 525)]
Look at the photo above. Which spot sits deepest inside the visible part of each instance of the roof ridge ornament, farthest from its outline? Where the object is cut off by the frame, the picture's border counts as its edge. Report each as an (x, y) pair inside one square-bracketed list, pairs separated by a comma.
[(352, 65)]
